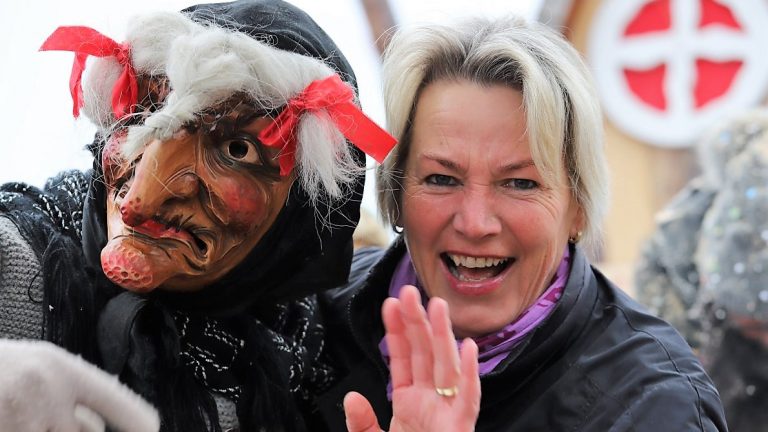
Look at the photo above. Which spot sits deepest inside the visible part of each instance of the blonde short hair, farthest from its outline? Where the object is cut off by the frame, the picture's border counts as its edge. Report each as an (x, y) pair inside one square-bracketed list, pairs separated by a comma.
[(565, 125)]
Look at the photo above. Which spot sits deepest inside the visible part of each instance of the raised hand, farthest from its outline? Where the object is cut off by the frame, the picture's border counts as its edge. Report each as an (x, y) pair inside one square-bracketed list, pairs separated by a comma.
[(433, 389), (45, 388)]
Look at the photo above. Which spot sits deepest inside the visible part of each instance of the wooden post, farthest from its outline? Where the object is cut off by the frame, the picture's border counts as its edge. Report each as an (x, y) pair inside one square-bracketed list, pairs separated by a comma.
[(380, 20)]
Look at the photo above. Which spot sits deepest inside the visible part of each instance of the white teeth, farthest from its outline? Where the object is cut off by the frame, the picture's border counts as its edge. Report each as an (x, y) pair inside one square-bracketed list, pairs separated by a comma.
[(475, 262)]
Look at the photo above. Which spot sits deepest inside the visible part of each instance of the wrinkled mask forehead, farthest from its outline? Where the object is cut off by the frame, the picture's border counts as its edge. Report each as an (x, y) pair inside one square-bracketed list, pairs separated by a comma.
[(213, 125), (154, 92)]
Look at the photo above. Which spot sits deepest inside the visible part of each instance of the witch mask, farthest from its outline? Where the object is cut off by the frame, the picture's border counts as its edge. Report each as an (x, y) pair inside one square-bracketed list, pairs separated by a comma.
[(206, 130)]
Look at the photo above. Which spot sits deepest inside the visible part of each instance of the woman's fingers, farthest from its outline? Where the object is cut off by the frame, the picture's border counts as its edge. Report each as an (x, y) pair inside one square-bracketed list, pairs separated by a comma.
[(397, 344), (428, 372), (469, 384), (359, 413), (446, 355), (423, 349), (419, 335)]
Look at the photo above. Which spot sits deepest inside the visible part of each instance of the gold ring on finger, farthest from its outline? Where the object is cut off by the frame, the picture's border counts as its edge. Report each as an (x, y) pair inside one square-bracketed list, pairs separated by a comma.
[(447, 391)]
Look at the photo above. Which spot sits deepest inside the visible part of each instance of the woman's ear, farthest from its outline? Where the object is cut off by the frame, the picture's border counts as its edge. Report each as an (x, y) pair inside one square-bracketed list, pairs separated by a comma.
[(397, 223), (578, 225)]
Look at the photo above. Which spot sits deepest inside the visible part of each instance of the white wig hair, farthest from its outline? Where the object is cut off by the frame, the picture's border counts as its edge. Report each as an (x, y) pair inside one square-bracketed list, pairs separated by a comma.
[(565, 126), (205, 65)]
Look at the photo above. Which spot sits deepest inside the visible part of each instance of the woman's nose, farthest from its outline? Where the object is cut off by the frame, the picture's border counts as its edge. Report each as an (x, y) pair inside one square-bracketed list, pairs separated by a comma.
[(476, 216), (163, 176)]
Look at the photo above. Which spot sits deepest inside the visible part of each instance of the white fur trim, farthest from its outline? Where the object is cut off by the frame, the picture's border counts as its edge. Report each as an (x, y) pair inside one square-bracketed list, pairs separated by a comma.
[(97, 92), (42, 385)]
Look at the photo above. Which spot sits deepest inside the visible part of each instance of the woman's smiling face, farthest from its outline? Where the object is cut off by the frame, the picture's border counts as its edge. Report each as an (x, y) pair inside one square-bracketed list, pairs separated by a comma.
[(484, 231), (189, 209)]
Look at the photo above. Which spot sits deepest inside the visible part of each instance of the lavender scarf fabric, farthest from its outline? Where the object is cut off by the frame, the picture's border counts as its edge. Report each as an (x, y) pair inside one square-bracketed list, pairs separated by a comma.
[(494, 347)]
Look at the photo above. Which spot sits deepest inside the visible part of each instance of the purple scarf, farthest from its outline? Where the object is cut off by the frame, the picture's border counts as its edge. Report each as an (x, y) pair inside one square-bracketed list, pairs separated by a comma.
[(494, 347)]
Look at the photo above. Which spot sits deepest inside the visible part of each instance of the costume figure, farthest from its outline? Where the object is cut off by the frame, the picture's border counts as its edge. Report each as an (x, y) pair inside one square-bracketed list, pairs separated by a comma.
[(668, 278), (223, 192), (722, 306)]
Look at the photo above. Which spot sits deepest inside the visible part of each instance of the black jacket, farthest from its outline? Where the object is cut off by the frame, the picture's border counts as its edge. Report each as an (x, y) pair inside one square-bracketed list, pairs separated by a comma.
[(598, 363)]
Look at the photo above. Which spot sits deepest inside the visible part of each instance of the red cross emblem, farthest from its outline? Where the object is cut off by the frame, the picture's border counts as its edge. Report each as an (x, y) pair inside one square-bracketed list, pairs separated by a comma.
[(667, 69)]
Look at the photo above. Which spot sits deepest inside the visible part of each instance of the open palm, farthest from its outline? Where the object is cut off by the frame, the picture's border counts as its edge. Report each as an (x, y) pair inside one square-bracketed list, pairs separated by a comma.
[(423, 358)]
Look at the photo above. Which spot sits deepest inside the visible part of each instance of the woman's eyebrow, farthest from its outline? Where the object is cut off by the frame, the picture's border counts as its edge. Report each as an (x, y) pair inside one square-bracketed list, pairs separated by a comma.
[(516, 166), (448, 164), (455, 166)]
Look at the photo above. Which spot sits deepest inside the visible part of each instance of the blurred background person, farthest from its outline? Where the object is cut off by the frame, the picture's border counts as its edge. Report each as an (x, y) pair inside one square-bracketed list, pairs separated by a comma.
[(732, 257), (705, 267), (667, 277)]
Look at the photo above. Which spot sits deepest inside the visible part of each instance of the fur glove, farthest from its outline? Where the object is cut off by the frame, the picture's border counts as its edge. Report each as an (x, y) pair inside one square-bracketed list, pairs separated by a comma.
[(45, 388)]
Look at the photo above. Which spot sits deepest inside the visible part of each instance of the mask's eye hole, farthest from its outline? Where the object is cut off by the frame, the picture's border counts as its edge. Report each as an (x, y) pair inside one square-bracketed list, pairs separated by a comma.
[(241, 149)]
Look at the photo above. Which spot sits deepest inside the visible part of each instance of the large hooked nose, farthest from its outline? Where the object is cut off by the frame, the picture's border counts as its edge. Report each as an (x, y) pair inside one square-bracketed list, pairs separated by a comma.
[(165, 175)]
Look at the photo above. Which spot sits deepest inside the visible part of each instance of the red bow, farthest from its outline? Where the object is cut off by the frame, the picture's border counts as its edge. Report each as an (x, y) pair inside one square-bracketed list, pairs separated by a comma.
[(85, 41), (336, 98)]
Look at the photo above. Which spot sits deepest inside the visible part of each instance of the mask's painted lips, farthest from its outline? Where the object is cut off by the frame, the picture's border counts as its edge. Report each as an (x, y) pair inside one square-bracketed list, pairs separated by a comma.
[(158, 229)]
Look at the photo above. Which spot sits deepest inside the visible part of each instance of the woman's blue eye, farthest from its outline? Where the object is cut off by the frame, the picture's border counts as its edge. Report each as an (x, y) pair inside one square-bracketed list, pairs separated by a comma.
[(522, 184), (441, 180)]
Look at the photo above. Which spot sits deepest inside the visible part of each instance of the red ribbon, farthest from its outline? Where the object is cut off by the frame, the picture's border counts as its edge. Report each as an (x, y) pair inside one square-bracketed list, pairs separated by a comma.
[(85, 41), (336, 98)]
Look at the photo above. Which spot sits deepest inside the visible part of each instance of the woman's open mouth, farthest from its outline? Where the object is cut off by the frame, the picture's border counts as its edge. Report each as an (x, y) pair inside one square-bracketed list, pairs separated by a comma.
[(475, 269)]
